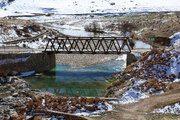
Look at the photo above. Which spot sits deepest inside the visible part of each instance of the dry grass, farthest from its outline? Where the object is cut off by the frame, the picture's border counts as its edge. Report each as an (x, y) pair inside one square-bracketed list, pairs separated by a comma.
[(15, 22)]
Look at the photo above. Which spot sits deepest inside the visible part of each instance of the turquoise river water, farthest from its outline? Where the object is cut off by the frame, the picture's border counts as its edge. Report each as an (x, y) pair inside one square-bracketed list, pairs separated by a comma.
[(88, 81)]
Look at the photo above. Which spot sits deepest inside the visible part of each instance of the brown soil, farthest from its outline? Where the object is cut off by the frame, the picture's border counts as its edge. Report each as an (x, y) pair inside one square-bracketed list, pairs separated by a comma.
[(141, 110)]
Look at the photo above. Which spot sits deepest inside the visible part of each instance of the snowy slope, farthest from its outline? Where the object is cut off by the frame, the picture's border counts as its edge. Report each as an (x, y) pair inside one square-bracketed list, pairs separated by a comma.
[(175, 42), (88, 6)]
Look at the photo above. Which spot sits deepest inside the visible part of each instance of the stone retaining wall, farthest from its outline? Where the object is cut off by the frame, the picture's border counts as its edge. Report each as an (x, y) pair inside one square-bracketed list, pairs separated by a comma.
[(24, 62)]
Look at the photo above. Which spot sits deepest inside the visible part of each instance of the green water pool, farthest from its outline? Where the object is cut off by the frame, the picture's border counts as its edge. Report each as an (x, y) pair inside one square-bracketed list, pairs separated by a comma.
[(89, 81)]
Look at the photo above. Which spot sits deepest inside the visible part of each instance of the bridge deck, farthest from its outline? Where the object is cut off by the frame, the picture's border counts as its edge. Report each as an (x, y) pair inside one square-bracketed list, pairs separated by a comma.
[(11, 49), (86, 52)]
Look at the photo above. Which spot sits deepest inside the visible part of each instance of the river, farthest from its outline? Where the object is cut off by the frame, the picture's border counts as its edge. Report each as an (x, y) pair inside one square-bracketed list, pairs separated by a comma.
[(88, 81)]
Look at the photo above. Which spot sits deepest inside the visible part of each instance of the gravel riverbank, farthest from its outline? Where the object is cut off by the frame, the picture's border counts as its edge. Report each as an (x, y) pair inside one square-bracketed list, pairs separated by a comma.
[(14, 94), (83, 60)]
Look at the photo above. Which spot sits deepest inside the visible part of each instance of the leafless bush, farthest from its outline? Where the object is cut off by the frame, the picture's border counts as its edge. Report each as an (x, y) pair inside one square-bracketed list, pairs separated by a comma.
[(94, 27), (127, 27)]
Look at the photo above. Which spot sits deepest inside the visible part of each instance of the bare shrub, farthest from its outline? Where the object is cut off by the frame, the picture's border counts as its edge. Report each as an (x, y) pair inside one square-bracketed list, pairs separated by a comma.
[(94, 27), (127, 27)]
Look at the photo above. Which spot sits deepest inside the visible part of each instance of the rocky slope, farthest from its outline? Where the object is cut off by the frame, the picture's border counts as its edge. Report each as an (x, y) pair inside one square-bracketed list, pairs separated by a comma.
[(152, 74), (14, 94)]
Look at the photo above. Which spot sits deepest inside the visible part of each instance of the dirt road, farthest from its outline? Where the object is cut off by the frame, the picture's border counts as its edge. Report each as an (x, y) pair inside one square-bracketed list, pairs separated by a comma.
[(141, 109)]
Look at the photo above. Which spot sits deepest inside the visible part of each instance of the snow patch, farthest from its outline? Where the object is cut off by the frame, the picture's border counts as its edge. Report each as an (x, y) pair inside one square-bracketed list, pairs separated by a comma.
[(25, 74), (101, 109), (130, 96), (172, 109), (5, 61), (175, 42)]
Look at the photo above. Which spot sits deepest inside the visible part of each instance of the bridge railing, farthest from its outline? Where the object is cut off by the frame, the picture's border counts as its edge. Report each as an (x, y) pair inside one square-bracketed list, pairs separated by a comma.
[(88, 45)]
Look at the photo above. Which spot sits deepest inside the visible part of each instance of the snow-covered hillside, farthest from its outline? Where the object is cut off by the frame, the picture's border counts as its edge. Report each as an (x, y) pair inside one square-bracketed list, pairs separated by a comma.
[(175, 42), (86, 6)]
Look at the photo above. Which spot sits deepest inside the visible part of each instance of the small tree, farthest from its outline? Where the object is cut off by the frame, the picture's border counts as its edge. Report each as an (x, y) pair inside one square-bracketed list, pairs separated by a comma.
[(127, 28)]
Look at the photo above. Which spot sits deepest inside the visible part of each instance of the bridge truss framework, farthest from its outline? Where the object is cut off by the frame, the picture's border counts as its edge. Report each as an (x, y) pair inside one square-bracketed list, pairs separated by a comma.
[(88, 45)]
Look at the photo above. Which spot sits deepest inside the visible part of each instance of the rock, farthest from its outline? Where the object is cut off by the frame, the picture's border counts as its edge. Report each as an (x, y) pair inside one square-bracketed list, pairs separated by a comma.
[(9, 99), (96, 100), (15, 94), (25, 29), (14, 73), (92, 11), (12, 89), (3, 80), (13, 112), (26, 35), (19, 32), (90, 100), (22, 85), (90, 108), (112, 3), (5, 94), (11, 79), (38, 118), (35, 28)]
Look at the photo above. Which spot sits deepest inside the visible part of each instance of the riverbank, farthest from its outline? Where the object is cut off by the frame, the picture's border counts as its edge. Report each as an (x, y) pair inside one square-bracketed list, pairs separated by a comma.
[(19, 101), (83, 60)]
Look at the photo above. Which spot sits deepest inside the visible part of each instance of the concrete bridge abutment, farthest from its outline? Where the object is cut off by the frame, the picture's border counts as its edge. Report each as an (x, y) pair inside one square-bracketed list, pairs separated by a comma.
[(23, 62), (131, 58)]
